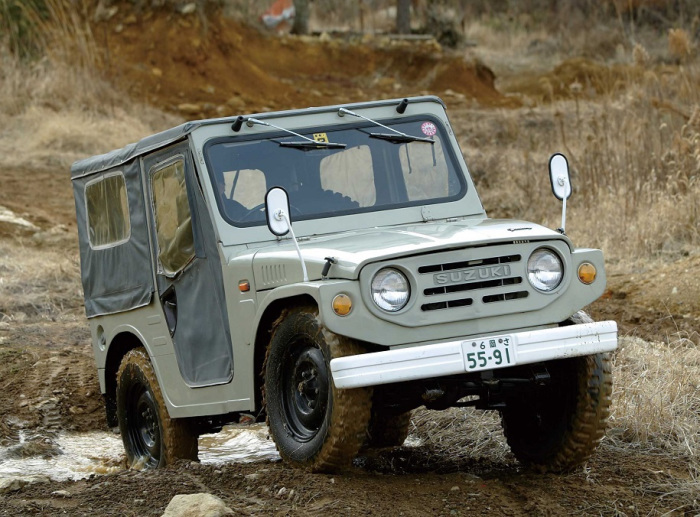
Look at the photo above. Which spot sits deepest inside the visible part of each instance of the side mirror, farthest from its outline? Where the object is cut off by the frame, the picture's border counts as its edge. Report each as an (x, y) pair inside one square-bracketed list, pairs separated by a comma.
[(560, 179), (277, 211), (559, 176)]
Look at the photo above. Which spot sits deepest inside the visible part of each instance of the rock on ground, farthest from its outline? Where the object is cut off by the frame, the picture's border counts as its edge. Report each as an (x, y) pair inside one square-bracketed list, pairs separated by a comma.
[(197, 505)]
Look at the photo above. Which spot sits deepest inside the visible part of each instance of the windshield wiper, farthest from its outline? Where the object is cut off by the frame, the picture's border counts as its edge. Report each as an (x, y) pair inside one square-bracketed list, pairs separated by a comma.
[(306, 144), (396, 137), (401, 138)]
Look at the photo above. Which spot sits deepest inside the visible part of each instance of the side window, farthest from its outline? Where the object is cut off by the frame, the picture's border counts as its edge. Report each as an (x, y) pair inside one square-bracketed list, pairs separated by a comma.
[(425, 170), (350, 172), (172, 216), (107, 211)]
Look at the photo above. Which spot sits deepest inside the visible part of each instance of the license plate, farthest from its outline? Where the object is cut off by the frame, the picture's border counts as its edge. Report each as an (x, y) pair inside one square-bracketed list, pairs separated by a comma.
[(488, 354)]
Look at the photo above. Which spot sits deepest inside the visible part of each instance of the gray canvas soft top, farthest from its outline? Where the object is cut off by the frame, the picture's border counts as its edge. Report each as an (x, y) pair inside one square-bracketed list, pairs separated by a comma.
[(150, 143)]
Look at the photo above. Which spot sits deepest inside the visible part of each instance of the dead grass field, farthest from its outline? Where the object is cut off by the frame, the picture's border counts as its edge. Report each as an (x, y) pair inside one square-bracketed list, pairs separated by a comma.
[(627, 114)]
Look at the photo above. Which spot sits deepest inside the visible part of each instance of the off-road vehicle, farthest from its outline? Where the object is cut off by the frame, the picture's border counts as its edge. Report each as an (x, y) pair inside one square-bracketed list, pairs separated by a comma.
[(330, 269)]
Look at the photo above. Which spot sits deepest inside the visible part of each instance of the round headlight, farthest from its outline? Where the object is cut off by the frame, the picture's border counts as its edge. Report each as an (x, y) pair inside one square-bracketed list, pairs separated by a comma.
[(544, 270), (390, 290)]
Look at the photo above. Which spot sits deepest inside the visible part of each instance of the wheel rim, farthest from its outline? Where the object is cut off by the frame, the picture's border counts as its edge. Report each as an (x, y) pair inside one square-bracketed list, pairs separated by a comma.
[(305, 387), (144, 430)]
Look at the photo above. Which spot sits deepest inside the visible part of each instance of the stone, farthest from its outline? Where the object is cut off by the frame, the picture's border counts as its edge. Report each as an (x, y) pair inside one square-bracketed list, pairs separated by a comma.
[(196, 505)]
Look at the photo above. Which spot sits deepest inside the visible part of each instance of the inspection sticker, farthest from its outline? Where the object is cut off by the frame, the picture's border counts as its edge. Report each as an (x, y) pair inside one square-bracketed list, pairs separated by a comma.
[(321, 137), (428, 128)]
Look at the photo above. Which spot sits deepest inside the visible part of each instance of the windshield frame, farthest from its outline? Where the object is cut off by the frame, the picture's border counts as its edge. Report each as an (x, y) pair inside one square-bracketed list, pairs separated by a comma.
[(452, 161)]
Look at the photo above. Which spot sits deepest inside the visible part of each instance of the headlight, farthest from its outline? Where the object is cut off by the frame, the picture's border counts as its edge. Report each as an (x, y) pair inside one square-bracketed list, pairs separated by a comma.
[(544, 270), (390, 290)]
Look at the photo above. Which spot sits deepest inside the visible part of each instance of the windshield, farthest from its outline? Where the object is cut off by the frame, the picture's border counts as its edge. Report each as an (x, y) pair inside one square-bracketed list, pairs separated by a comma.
[(372, 171)]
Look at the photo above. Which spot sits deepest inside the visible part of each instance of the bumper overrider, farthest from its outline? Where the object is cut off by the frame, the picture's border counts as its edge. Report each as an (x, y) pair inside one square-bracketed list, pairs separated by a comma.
[(473, 354)]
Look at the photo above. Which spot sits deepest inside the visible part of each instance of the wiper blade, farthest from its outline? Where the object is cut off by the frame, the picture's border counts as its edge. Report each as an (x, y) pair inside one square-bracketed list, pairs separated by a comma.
[(305, 144), (396, 137), (308, 145), (400, 138)]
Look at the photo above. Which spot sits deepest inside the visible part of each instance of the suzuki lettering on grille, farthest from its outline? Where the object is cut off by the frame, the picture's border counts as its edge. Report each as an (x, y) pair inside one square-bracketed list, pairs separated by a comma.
[(471, 275)]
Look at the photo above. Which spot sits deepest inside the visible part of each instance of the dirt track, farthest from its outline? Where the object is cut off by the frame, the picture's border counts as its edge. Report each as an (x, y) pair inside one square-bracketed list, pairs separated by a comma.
[(48, 381)]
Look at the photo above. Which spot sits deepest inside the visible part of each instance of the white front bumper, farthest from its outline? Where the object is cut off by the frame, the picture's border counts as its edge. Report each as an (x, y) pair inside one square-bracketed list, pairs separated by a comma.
[(440, 359)]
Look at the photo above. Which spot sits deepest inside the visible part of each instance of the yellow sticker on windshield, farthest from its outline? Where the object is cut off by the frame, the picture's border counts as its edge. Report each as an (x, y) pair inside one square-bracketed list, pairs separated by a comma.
[(321, 137)]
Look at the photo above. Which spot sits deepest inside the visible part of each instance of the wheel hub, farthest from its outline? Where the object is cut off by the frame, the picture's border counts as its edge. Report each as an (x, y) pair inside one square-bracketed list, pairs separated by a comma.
[(306, 386)]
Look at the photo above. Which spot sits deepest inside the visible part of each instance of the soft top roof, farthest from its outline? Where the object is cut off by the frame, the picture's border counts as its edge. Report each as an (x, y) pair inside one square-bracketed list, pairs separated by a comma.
[(150, 143)]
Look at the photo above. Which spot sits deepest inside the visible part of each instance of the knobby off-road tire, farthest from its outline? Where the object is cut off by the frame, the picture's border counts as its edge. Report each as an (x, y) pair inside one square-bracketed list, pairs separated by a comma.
[(387, 429), (151, 438), (559, 428), (313, 424)]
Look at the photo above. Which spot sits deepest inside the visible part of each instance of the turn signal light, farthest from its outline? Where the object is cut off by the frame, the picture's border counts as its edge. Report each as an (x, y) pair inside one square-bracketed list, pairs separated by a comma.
[(342, 305), (587, 273), (244, 286)]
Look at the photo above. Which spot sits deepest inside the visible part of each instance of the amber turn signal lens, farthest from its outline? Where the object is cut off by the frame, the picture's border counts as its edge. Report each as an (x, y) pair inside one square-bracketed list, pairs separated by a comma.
[(244, 286), (342, 305), (587, 273)]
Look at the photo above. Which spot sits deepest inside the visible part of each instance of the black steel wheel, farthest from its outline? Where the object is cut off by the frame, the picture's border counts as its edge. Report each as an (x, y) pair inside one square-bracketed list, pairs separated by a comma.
[(313, 424), (151, 438), (560, 426)]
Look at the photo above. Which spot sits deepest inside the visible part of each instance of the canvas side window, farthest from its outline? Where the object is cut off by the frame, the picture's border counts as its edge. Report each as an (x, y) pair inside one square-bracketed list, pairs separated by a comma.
[(425, 170), (107, 211), (173, 219), (350, 172)]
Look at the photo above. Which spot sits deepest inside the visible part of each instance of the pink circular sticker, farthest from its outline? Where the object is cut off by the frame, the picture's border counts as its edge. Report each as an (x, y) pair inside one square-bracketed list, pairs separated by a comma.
[(428, 128)]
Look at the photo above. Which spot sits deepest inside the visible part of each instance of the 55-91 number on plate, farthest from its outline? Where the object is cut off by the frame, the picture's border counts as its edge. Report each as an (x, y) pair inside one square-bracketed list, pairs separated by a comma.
[(488, 354)]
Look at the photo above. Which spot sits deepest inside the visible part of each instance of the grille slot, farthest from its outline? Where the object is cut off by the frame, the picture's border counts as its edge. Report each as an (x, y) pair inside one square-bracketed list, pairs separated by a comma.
[(436, 268), (432, 291), (464, 302), (515, 295)]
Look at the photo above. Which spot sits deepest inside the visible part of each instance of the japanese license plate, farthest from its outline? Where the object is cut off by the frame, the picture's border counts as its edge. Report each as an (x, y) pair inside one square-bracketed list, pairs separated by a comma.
[(488, 354)]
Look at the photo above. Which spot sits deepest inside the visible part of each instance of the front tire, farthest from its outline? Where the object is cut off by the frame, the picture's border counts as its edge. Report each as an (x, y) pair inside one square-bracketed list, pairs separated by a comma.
[(151, 438), (314, 424), (559, 427)]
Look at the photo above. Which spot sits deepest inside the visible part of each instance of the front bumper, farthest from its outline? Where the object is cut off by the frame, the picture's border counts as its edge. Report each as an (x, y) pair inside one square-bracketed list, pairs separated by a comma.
[(450, 358)]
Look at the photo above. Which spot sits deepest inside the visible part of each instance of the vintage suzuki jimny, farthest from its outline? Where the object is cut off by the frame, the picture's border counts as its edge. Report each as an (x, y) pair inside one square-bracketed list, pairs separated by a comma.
[(330, 269)]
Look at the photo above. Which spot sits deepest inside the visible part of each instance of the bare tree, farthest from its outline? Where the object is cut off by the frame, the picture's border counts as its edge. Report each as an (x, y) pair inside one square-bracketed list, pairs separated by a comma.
[(403, 16), (301, 17)]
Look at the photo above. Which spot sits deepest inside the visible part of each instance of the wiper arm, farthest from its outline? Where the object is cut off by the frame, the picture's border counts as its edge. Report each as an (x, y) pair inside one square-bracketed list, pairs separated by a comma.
[(397, 137), (401, 138), (313, 144), (307, 143)]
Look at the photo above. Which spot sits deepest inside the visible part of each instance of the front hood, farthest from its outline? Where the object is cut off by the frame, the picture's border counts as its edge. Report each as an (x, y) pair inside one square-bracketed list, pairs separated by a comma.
[(279, 262)]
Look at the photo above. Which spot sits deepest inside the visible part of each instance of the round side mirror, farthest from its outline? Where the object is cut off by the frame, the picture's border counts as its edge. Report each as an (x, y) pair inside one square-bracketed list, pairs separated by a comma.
[(277, 211), (559, 176)]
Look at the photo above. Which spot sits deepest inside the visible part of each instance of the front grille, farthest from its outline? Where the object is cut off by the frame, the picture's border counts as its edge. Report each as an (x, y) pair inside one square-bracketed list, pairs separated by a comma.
[(484, 279)]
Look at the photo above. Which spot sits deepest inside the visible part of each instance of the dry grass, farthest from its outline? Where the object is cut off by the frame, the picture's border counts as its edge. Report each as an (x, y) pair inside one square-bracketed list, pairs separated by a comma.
[(635, 154), (60, 108), (655, 410)]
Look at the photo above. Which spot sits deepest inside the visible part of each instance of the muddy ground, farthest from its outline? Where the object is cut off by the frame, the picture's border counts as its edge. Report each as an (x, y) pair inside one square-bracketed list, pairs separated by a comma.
[(48, 380), (48, 383)]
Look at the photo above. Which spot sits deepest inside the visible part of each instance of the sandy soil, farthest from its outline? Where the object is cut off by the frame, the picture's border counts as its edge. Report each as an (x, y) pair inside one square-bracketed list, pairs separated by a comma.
[(47, 375)]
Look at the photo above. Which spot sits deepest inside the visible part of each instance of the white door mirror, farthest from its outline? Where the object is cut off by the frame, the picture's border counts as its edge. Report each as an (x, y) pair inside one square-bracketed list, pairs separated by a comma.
[(277, 211), (559, 176)]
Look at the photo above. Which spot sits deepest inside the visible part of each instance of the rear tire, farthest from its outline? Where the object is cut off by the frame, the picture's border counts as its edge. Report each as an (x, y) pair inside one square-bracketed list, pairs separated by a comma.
[(560, 427), (314, 424), (151, 438), (388, 429)]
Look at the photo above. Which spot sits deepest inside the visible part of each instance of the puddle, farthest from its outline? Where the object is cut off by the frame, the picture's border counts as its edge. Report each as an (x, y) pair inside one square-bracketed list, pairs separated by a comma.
[(76, 456)]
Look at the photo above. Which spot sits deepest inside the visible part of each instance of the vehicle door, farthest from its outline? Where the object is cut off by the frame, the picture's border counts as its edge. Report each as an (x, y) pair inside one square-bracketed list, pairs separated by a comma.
[(188, 268)]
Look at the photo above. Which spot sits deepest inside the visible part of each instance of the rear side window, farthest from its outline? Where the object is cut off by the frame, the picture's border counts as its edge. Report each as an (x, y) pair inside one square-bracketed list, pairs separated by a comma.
[(173, 219), (107, 211)]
